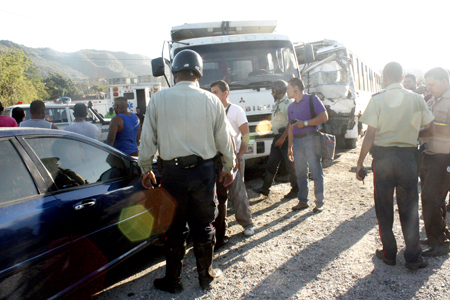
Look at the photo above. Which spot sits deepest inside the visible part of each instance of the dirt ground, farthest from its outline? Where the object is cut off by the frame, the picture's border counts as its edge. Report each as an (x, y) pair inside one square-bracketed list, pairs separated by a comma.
[(297, 255)]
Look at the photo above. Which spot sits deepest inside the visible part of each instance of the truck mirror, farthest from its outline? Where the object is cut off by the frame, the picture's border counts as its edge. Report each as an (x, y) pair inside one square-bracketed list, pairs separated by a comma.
[(158, 67), (309, 53)]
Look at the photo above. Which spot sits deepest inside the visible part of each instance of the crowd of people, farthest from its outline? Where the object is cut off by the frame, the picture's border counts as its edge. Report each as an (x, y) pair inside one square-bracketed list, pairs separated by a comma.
[(201, 138)]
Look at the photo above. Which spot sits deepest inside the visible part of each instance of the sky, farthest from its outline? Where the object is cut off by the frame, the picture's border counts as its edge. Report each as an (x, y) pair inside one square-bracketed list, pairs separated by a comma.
[(413, 33)]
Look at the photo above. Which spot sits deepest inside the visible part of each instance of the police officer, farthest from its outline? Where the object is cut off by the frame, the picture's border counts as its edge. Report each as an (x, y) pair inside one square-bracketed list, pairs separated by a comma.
[(395, 117), (279, 148), (187, 126)]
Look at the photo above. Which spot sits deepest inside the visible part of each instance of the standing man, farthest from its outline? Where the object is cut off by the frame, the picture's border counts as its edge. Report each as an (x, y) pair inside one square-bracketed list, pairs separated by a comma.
[(6, 121), (110, 114), (301, 142), (124, 129), (278, 150), (436, 165), (187, 126), (140, 115), (395, 117), (37, 111), (81, 126), (237, 191)]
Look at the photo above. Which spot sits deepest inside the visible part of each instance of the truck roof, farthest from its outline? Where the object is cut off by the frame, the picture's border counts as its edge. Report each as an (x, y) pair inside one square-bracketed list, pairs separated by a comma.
[(198, 30), (47, 105)]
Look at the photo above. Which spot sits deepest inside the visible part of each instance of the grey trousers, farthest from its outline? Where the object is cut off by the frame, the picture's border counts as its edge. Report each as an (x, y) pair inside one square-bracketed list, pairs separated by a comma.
[(237, 195)]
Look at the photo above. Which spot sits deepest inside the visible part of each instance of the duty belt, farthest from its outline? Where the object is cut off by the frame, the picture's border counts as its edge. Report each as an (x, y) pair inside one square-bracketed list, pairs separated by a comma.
[(304, 134), (185, 162)]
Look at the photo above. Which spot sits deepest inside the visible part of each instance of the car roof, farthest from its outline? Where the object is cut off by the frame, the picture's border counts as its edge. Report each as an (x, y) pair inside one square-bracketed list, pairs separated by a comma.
[(26, 131), (47, 105)]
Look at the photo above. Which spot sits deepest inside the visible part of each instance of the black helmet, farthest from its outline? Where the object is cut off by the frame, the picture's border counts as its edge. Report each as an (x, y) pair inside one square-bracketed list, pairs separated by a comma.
[(280, 86), (188, 60)]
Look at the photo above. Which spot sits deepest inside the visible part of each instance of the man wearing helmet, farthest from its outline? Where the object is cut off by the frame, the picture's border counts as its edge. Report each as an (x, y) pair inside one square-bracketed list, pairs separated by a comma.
[(187, 126), (279, 149)]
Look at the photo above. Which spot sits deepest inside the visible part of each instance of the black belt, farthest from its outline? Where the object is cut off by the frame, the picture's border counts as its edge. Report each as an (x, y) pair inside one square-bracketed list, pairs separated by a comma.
[(185, 162), (378, 149), (304, 134)]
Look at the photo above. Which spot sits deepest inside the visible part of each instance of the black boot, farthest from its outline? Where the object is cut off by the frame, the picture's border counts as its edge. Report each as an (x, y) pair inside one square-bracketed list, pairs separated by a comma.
[(265, 188), (294, 191), (174, 263), (207, 276)]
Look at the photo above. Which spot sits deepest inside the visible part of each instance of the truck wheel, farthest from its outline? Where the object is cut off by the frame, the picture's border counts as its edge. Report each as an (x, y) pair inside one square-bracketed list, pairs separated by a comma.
[(351, 143)]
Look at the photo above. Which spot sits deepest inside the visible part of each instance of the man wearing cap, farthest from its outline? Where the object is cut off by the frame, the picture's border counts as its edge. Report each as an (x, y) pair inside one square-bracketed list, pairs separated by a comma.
[(81, 126), (187, 126)]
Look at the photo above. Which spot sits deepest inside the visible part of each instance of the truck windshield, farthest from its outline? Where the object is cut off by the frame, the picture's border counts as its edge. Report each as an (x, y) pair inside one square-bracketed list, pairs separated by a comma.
[(244, 65)]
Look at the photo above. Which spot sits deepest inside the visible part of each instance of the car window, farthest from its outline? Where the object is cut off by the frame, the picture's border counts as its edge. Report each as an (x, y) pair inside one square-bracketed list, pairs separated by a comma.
[(56, 115), (15, 180), (73, 163)]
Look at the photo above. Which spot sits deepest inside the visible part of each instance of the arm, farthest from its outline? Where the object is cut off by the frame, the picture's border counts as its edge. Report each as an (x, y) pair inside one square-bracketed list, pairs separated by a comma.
[(365, 148), (113, 130), (282, 138), (54, 126), (290, 143), (319, 119), (430, 130)]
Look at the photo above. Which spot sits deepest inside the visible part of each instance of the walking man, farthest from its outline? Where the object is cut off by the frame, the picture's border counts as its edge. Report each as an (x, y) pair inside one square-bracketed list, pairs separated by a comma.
[(395, 117), (278, 150), (436, 161), (187, 126), (237, 192), (301, 142)]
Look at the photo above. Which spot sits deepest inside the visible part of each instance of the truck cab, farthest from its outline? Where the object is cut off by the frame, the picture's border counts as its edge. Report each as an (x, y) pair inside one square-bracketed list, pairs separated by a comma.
[(249, 56)]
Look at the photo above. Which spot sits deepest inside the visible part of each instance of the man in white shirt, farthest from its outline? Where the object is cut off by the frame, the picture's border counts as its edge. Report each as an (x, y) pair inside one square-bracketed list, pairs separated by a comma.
[(81, 126), (237, 191)]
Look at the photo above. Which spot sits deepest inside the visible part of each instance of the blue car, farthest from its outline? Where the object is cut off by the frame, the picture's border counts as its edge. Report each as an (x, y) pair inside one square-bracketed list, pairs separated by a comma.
[(70, 208)]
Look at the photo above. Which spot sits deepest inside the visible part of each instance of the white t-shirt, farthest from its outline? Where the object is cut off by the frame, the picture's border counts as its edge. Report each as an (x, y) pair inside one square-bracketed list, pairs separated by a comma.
[(84, 128), (236, 116)]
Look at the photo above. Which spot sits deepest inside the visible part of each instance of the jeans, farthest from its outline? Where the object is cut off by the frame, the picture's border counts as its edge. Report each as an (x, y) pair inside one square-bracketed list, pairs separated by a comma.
[(304, 160)]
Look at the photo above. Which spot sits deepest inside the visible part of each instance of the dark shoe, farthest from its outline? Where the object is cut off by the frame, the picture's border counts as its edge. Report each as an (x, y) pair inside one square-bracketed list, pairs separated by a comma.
[(424, 242), (174, 263), (173, 286), (421, 263), (292, 194), (222, 243), (300, 206), (379, 254), (318, 208), (207, 276), (267, 183), (437, 250)]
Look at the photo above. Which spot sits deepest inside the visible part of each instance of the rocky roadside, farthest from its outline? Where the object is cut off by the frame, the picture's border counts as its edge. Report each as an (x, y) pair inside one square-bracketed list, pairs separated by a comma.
[(297, 255)]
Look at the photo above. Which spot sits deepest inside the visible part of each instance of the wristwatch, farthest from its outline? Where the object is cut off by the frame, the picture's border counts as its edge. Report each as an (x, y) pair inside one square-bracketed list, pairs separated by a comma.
[(305, 123)]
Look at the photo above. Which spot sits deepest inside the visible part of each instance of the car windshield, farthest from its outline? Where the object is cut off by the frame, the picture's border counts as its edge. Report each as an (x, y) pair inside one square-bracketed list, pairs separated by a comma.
[(247, 64)]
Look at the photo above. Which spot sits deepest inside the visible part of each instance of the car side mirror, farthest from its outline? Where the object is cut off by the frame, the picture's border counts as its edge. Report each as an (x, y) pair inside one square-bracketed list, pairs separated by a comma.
[(158, 67)]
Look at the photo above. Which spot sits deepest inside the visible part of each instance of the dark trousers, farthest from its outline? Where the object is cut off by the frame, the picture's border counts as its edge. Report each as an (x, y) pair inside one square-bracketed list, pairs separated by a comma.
[(435, 185), (276, 155), (397, 170), (220, 224), (194, 195)]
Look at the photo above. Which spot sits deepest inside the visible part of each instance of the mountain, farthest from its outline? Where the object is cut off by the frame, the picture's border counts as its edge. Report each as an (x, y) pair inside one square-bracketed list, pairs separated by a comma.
[(86, 63)]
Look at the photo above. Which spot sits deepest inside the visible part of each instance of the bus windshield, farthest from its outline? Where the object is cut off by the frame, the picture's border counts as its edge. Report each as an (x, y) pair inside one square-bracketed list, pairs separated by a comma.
[(245, 65)]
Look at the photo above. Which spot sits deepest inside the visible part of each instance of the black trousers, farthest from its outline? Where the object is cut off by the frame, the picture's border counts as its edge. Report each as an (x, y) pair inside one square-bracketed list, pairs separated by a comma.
[(276, 155), (435, 178), (220, 224), (194, 196), (397, 170)]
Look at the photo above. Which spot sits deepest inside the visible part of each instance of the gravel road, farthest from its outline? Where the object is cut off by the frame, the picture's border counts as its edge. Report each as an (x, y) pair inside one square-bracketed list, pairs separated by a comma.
[(297, 255)]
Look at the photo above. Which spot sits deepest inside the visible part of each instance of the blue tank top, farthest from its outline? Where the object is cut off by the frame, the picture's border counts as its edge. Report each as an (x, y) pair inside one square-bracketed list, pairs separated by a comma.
[(126, 139)]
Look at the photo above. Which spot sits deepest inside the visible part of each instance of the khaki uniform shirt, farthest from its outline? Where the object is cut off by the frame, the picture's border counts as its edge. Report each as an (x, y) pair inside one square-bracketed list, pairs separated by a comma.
[(182, 121), (280, 114), (439, 143), (397, 114)]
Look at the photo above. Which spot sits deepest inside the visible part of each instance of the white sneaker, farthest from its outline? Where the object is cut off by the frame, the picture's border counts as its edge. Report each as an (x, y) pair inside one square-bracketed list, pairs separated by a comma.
[(249, 231)]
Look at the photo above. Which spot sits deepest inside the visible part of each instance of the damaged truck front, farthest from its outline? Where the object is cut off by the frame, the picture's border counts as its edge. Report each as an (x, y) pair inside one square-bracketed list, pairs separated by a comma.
[(343, 82)]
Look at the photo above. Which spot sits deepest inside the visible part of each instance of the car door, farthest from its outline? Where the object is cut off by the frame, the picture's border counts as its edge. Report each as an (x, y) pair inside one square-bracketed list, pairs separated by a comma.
[(34, 231), (109, 212)]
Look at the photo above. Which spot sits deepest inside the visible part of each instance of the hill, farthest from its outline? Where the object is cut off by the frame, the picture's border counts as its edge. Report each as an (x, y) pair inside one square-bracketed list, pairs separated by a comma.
[(86, 63)]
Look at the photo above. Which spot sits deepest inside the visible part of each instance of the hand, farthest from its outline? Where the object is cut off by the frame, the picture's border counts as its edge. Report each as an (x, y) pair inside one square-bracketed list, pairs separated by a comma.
[(280, 142), (358, 168), (226, 178), (300, 124), (290, 155), (238, 164), (147, 178)]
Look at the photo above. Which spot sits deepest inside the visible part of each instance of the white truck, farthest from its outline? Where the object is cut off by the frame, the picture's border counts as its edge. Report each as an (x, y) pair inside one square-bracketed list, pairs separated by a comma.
[(249, 56), (62, 116), (343, 82)]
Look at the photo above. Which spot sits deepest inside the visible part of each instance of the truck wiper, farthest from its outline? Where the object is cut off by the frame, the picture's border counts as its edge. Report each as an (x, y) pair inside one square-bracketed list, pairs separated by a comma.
[(251, 85)]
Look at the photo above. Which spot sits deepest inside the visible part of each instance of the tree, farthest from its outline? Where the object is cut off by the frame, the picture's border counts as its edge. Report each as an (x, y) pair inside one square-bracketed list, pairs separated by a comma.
[(57, 86), (19, 79)]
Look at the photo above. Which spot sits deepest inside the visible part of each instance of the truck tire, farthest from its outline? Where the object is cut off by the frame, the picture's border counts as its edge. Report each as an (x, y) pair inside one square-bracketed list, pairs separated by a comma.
[(350, 143)]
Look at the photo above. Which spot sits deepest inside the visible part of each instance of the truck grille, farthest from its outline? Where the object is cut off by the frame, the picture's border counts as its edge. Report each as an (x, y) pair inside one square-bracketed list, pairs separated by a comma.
[(259, 118)]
